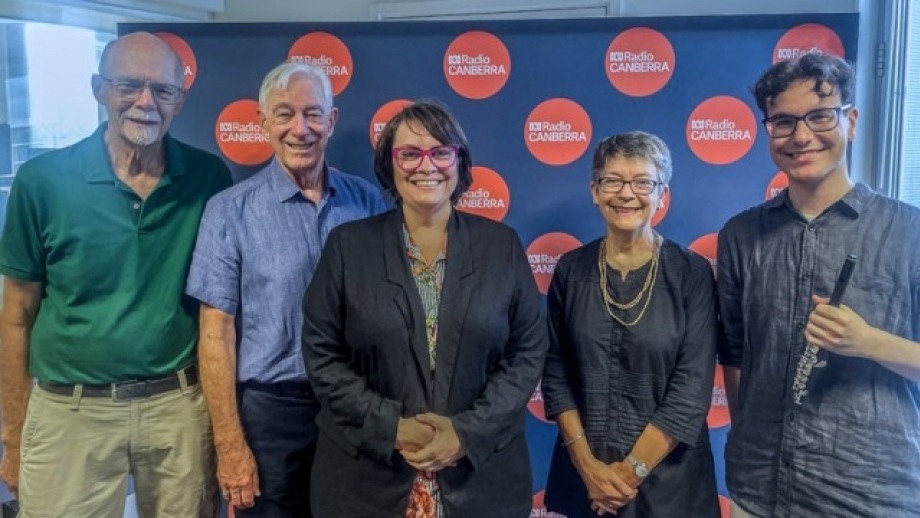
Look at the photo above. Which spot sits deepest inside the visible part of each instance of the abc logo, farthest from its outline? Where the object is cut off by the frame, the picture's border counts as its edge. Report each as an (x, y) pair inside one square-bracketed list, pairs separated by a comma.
[(239, 134), (543, 254)]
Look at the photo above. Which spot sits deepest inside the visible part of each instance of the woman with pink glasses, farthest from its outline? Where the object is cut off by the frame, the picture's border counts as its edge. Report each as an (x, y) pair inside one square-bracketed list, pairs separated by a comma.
[(424, 337)]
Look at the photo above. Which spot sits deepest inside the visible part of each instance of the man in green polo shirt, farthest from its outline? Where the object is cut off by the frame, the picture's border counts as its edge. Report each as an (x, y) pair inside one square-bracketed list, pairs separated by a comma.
[(94, 253)]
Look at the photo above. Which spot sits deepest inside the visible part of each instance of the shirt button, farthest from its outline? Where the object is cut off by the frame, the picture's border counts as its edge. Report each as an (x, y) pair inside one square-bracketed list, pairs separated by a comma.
[(137, 205)]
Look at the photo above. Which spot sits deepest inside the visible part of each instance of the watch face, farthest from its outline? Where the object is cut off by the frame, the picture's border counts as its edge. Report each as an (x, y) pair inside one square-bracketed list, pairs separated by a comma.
[(641, 470)]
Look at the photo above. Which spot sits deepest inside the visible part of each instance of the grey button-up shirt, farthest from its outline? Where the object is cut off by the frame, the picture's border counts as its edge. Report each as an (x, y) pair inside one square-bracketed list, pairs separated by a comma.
[(852, 448)]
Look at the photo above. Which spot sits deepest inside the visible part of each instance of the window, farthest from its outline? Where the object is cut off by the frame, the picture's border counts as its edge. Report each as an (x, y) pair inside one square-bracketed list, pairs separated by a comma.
[(909, 184), (45, 97)]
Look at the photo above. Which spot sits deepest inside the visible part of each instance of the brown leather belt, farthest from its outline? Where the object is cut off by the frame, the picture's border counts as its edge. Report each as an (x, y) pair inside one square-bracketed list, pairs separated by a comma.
[(126, 390)]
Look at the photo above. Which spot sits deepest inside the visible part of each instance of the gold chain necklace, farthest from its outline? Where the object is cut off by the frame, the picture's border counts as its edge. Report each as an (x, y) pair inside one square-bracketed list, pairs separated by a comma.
[(650, 279), (602, 261)]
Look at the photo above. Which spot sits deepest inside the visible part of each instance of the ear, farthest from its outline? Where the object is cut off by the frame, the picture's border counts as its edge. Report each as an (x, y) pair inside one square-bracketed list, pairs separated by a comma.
[(659, 204), (592, 186), (852, 117), (333, 118), (177, 108), (263, 121), (98, 85)]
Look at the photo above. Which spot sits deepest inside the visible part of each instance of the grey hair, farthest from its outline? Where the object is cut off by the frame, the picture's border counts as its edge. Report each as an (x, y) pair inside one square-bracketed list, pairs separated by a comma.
[(633, 144), (280, 77)]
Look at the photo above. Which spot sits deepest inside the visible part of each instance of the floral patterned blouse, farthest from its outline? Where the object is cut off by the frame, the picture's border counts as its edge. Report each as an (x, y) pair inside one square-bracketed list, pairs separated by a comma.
[(424, 498)]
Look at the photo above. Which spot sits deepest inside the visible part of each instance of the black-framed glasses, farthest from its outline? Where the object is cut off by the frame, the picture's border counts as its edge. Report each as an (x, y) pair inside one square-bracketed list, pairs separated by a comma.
[(612, 185), (130, 90), (820, 120), (409, 158)]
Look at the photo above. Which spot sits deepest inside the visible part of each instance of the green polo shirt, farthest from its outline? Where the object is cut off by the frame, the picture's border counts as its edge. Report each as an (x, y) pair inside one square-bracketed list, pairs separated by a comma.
[(113, 265)]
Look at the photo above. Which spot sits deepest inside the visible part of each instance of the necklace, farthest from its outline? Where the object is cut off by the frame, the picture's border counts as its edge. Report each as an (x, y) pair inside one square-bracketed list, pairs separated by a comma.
[(645, 292)]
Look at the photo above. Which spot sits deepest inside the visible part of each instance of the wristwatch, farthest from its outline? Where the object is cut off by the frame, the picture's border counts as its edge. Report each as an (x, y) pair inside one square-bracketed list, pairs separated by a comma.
[(639, 467)]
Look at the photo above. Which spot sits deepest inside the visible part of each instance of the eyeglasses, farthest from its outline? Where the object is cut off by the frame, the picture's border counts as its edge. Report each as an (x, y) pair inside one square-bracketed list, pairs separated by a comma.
[(130, 90), (611, 185), (820, 120), (410, 158)]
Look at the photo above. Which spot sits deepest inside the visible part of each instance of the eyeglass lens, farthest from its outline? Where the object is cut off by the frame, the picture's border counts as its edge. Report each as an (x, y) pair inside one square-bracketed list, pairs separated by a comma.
[(410, 158)]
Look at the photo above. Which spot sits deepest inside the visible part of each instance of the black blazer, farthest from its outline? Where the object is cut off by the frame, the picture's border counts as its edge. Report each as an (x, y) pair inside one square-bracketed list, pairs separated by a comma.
[(366, 353)]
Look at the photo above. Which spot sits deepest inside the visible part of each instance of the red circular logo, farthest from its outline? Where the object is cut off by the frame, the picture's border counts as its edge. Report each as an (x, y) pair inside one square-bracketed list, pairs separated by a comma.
[(186, 56), (477, 65), (707, 246), (557, 131), (543, 254), (663, 207), (383, 115), (639, 62), (327, 52), (535, 405), (488, 195), (718, 409), (539, 508), (810, 37), (776, 185), (721, 130), (239, 134)]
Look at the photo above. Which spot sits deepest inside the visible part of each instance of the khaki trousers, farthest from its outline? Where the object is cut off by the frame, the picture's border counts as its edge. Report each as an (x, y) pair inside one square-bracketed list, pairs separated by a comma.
[(77, 453)]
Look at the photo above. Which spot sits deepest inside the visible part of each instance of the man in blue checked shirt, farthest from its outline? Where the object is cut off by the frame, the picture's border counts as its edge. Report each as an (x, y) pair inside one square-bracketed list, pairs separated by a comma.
[(258, 246)]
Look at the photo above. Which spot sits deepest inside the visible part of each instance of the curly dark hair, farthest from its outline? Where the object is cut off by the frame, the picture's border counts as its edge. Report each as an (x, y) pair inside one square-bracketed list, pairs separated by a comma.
[(832, 75), (441, 125)]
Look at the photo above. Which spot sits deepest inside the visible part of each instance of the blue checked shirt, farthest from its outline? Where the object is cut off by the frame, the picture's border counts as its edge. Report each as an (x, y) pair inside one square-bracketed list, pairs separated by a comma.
[(852, 448), (258, 245)]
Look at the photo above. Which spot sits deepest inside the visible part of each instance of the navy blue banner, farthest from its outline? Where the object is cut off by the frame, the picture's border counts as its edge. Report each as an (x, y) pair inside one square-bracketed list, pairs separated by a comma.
[(534, 98)]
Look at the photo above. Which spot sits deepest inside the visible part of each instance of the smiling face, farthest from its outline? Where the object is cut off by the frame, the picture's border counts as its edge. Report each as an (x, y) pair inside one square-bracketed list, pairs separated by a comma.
[(298, 122), (625, 211), (809, 157), (146, 59), (425, 191)]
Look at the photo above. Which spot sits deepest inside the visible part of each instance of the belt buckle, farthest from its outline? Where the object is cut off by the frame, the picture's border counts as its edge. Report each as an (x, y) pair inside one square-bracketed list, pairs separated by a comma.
[(129, 390)]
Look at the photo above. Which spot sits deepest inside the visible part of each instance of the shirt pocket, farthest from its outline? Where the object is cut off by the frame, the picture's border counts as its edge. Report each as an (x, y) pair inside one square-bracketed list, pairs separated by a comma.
[(878, 300)]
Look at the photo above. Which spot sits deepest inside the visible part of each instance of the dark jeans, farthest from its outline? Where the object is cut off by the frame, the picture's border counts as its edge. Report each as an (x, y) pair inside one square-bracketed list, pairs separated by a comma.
[(281, 433)]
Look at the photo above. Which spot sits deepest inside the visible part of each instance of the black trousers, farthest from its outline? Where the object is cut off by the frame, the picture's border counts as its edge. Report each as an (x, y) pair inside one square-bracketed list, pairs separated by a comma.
[(281, 433)]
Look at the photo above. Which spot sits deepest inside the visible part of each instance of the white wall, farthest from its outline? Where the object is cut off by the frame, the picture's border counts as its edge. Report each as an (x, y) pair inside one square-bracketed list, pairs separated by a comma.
[(360, 10)]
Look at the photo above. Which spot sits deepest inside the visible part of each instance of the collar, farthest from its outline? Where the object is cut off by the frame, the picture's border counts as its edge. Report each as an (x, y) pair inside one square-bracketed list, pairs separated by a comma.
[(852, 203), (97, 167), (284, 188), (415, 252)]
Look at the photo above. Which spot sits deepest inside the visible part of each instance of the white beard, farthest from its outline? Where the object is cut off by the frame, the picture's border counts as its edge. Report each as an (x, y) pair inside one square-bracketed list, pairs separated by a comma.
[(142, 135)]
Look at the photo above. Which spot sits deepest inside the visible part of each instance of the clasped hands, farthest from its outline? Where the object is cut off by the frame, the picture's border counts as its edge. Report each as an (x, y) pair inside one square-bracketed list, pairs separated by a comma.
[(610, 486), (428, 442)]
